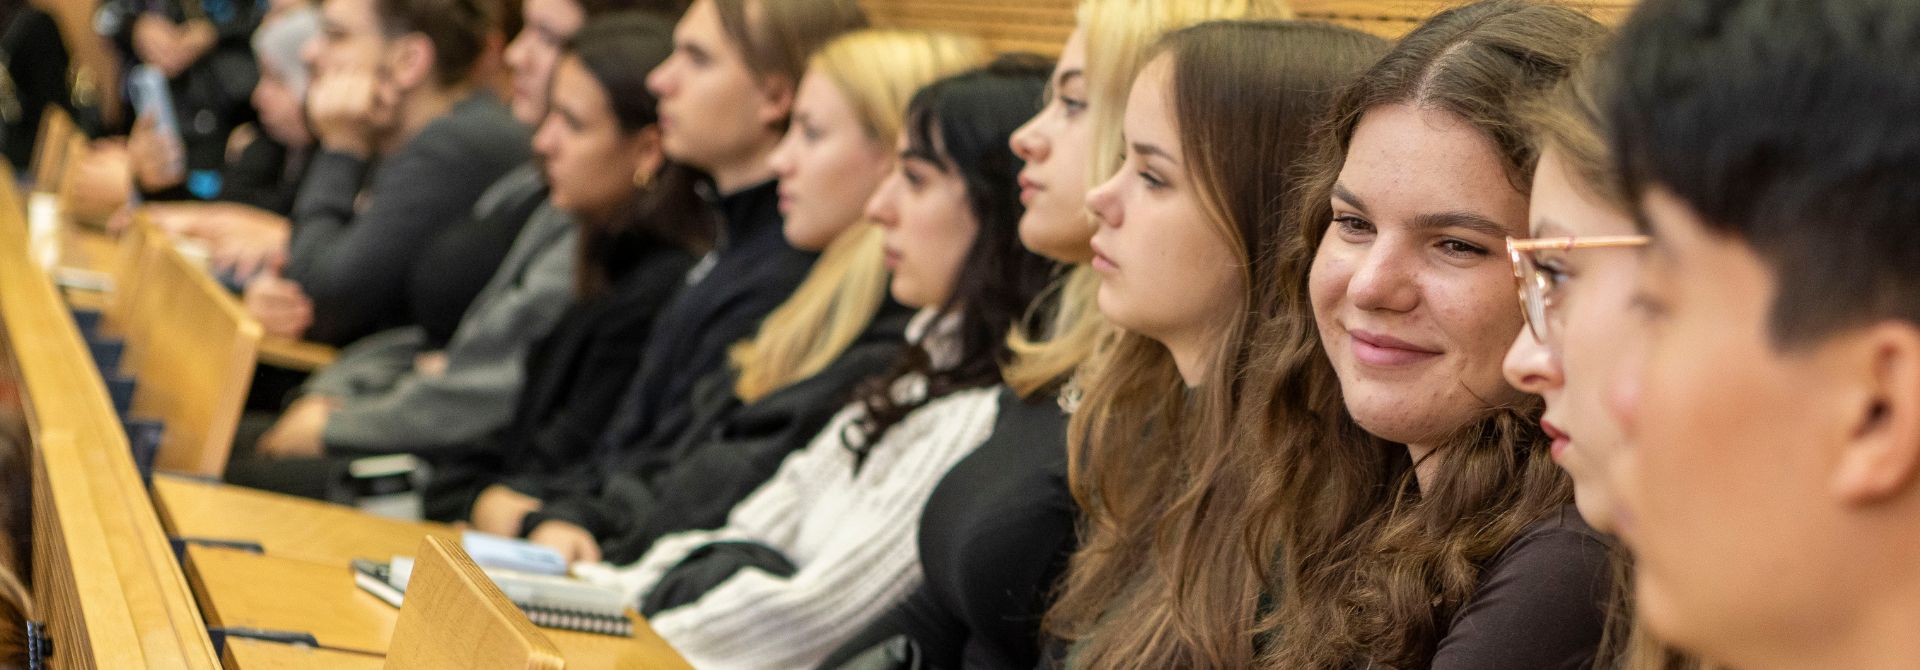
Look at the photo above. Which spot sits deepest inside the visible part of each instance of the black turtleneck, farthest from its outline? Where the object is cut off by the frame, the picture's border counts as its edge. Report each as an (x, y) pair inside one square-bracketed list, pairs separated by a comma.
[(751, 271)]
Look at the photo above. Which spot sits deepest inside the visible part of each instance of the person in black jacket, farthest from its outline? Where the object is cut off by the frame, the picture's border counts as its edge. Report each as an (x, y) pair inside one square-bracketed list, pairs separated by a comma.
[(839, 327), (35, 61), (721, 112), (201, 46)]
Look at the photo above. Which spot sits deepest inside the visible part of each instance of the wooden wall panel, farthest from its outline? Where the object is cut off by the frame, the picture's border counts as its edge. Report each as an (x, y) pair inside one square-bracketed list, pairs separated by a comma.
[(1041, 26)]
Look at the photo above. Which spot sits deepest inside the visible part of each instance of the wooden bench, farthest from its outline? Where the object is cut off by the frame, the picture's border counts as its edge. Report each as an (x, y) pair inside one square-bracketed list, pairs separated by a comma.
[(104, 579), (454, 618)]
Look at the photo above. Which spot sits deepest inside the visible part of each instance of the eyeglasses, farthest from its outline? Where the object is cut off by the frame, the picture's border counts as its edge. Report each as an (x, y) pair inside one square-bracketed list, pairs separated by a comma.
[(1536, 289)]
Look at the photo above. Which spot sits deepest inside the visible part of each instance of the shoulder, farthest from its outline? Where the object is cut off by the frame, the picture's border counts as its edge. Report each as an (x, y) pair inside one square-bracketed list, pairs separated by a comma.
[(1541, 602), (478, 128)]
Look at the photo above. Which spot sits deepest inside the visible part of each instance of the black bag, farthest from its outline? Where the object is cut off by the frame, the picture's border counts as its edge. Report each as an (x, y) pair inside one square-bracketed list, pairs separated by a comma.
[(706, 568)]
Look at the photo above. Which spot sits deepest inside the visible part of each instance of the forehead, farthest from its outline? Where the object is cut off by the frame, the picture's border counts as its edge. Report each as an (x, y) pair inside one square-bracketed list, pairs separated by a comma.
[(350, 15), (575, 89), (818, 96), (554, 13), (1074, 55), (1149, 116), (1561, 205), (1405, 161)]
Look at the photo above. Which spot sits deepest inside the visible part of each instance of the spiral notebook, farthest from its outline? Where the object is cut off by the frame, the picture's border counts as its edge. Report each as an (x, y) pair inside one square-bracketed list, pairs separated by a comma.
[(549, 602)]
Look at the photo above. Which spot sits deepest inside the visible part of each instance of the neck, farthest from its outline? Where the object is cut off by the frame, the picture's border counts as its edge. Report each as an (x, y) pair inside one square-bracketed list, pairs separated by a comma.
[(1192, 354), (421, 108), (1425, 465), (1876, 632), (750, 169)]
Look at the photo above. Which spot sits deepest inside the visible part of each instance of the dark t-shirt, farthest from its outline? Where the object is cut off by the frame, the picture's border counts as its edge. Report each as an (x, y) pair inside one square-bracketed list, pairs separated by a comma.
[(1541, 602)]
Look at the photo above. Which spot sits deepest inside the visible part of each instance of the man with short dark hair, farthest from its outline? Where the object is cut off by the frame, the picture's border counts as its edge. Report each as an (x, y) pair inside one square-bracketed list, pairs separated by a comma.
[(1774, 149), (393, 87)]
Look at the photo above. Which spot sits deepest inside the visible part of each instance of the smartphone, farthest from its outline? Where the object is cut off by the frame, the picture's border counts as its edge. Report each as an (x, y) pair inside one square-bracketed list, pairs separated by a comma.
[(147, 88)]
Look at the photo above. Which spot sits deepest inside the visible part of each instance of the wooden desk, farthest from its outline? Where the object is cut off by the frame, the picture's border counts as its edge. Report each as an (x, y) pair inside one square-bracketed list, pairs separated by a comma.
[(286, 526), (237, 588), (253, 654)]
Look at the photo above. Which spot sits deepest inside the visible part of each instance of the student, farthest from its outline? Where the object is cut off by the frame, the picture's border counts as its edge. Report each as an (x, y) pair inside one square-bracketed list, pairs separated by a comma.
[(433, 386), (37, 63), (999, 526), (201, 47), (1772, 499), (246, 231), (826, 545), (725, 96), (840, 326), (1576, 278), (1184, 251), (391, 86), (1421, 521)]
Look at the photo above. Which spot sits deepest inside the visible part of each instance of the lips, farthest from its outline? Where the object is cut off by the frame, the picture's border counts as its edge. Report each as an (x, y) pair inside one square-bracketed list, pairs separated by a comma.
[(1101, 262), (1028, 189), (893, 258), (1561, 441), (1382, 350)]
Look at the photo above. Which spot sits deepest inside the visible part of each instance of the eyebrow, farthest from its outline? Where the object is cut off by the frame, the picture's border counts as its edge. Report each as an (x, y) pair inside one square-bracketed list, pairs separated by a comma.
[(1467, 220), (1340, 191), (1146, 149), (1070, 75)]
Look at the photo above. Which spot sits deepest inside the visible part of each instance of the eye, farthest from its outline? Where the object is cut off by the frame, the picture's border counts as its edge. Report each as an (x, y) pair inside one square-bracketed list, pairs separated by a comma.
[(810, 132), (1461, 248), (1554, 270), (1650, 308), (1074, 107), (1153, 182), (913, 178), (1351, 226)]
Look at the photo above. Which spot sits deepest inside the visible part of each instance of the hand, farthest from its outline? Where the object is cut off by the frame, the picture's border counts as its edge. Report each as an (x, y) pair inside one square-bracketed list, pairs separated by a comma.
[(573, 542), (349, 110), (97, 182), (282, 308), (158, 159), (432, 364), (300, 430), (155, 39), (252, 241), (499, 510)]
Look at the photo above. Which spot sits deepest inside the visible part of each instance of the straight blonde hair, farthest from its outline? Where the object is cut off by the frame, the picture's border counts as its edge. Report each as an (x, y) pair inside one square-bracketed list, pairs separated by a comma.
[(878, 71), (1119, 34)]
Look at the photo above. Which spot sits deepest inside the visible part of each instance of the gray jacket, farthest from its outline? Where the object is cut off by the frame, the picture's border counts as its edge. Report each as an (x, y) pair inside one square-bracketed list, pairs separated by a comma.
[(387, 408)]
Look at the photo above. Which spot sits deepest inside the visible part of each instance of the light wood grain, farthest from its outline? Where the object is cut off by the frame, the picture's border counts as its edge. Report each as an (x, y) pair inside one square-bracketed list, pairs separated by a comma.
[(294, 354), (455, 618), (104, 577), (261, 655), (287, 526)]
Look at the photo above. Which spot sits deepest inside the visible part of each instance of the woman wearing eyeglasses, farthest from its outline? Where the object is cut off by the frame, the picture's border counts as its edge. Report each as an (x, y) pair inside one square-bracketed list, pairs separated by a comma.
[(1576, 278)]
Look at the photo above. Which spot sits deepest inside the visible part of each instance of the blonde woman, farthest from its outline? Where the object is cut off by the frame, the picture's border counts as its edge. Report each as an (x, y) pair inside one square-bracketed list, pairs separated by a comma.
[(838, 328)]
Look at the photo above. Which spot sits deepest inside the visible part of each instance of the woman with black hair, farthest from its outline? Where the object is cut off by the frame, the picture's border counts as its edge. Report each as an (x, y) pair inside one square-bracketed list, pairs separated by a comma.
[(828, 544)]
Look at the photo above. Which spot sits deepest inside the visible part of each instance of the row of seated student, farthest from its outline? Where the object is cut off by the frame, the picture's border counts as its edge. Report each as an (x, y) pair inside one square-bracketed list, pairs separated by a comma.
[(858, 356)]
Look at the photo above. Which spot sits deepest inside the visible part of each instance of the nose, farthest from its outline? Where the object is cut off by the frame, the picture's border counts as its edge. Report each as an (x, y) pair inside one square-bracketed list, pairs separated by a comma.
[(1383, 279), (880, 208), (310, 55), (543, 139), (782, 160), (1104, 202), (1531, 366), (660, 82), (1028, 143)]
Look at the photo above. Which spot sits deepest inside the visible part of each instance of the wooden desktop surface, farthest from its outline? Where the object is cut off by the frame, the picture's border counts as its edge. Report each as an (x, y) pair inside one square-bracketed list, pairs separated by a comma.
[(284, 525), (304, 583), (258, 655)]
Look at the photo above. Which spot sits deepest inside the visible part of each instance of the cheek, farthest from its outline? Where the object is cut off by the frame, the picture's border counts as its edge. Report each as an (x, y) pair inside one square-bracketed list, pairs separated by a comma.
[(1477, 312), (1327, 281)]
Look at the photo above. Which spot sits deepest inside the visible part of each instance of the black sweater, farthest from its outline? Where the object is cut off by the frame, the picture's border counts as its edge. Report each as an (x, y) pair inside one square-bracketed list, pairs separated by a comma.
[(995, 536), (729, 450), (575, 376), (355, 262), (750, 272)]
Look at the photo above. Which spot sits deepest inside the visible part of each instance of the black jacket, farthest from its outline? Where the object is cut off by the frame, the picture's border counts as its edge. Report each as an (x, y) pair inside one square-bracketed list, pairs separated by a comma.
[(575, 377), (729, 450), (750, 272)]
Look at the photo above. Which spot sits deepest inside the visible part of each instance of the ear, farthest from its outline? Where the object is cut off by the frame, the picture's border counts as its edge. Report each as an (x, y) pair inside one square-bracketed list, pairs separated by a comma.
[(651, 155), (1882, 456), (776, 101), (410, 60)]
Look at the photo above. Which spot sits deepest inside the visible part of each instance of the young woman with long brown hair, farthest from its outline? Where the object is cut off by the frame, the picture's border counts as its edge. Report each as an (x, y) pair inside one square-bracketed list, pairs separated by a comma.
[(1421, 521), (1188, 229)]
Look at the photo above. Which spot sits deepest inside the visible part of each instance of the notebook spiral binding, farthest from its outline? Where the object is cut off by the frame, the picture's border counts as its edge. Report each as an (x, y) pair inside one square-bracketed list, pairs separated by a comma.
[(584, 622)]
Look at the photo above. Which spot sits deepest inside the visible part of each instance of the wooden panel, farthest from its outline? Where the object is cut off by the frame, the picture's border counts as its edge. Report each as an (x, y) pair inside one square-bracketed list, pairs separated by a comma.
[(1042, 26), (287, 526), (260, 655), (190, 348), (454, 618), (104, 576)]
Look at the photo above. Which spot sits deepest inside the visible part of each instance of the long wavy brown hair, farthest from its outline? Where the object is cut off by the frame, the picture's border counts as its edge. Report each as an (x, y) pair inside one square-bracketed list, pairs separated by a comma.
[(1372, 567), (1165, 577)]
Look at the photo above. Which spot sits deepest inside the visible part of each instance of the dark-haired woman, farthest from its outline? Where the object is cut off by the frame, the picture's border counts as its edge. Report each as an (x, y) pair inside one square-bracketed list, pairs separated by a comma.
[(827, 544), (634, 246)]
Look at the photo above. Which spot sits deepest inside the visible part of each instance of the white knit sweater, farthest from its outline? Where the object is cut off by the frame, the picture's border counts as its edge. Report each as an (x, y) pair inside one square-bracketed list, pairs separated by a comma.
[(851, 536)]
